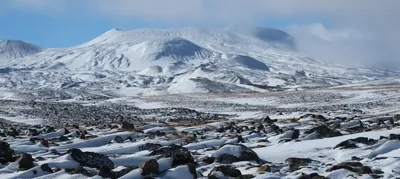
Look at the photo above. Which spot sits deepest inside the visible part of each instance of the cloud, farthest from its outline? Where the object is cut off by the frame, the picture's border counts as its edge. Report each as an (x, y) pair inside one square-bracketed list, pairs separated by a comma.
[(359, 32), (341, 45)]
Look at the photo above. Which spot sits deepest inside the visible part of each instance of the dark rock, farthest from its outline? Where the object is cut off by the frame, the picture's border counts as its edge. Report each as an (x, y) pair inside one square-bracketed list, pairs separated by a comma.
[(127, 126), (227, 170), (351, 166), (355, 158), (394, 137), (227, 159), (118, 139), (248, 176), (130, 139), (240, 139), (380, 158), (220, 130), (54, 151), (246, 154), (33, 132), (6, 153), (25, 162), (276, 129), (91, 159), (83, 171), (311, 176), (351, 143), (192, 169), (45, 167), (268, 120), (82, 136), (149, 167), (208, 160), (13, 132), (66, 131), (49, 129), (396, 117), (106, 172), (260, 127), (296, 134), (297, 163), (63, 138), (378, 171), (325, 131), (158, 133), (365, 170), (45, 143), (180, 155), (150, 147)]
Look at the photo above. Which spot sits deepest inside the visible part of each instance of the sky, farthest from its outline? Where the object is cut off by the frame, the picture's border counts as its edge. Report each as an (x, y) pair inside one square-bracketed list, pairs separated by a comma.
[(349, 32)]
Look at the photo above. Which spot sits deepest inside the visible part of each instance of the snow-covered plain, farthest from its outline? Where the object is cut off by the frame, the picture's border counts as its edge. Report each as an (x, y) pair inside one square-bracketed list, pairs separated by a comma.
[(306, 133)]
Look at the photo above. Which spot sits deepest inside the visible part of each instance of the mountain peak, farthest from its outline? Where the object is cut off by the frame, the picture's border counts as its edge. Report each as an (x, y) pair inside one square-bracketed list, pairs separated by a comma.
[(231, 35), (11, 49)]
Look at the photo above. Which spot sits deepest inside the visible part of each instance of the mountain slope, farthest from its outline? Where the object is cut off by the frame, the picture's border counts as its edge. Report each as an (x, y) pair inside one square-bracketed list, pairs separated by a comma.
[(12, 49)]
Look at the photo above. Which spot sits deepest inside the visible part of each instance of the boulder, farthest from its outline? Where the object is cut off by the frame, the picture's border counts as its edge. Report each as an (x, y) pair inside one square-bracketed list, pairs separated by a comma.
[(6, 153), (91, 159), (13, 132), (351, 143), (297, 163), (106, 172), (45, 167), (150, 147), (63, 138), (149, 167), (291, 134), (394, 137), (325, 131), (127, 126), (227, 170), (229, 153), (25, 162), (355, 167), (45, 143), (179, 154), (311, 176), (118, 139)]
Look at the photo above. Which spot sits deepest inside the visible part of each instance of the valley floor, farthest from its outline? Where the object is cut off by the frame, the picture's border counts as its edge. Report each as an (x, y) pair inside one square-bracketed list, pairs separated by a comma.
[(346, 132)]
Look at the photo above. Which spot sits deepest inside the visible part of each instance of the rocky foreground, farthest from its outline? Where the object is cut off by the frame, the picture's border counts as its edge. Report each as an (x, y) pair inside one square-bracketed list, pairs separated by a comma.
[(312, 146)]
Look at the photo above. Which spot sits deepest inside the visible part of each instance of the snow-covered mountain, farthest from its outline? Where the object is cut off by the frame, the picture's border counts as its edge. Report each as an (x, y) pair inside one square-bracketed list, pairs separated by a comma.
[(13, 49), (182, 60)]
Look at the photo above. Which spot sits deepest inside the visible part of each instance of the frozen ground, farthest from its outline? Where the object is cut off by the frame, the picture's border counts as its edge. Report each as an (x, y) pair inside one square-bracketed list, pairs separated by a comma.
[(341, 132)]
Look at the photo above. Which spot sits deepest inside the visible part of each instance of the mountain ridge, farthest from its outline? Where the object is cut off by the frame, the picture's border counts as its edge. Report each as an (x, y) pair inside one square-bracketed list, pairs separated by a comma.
[(161, 61)]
